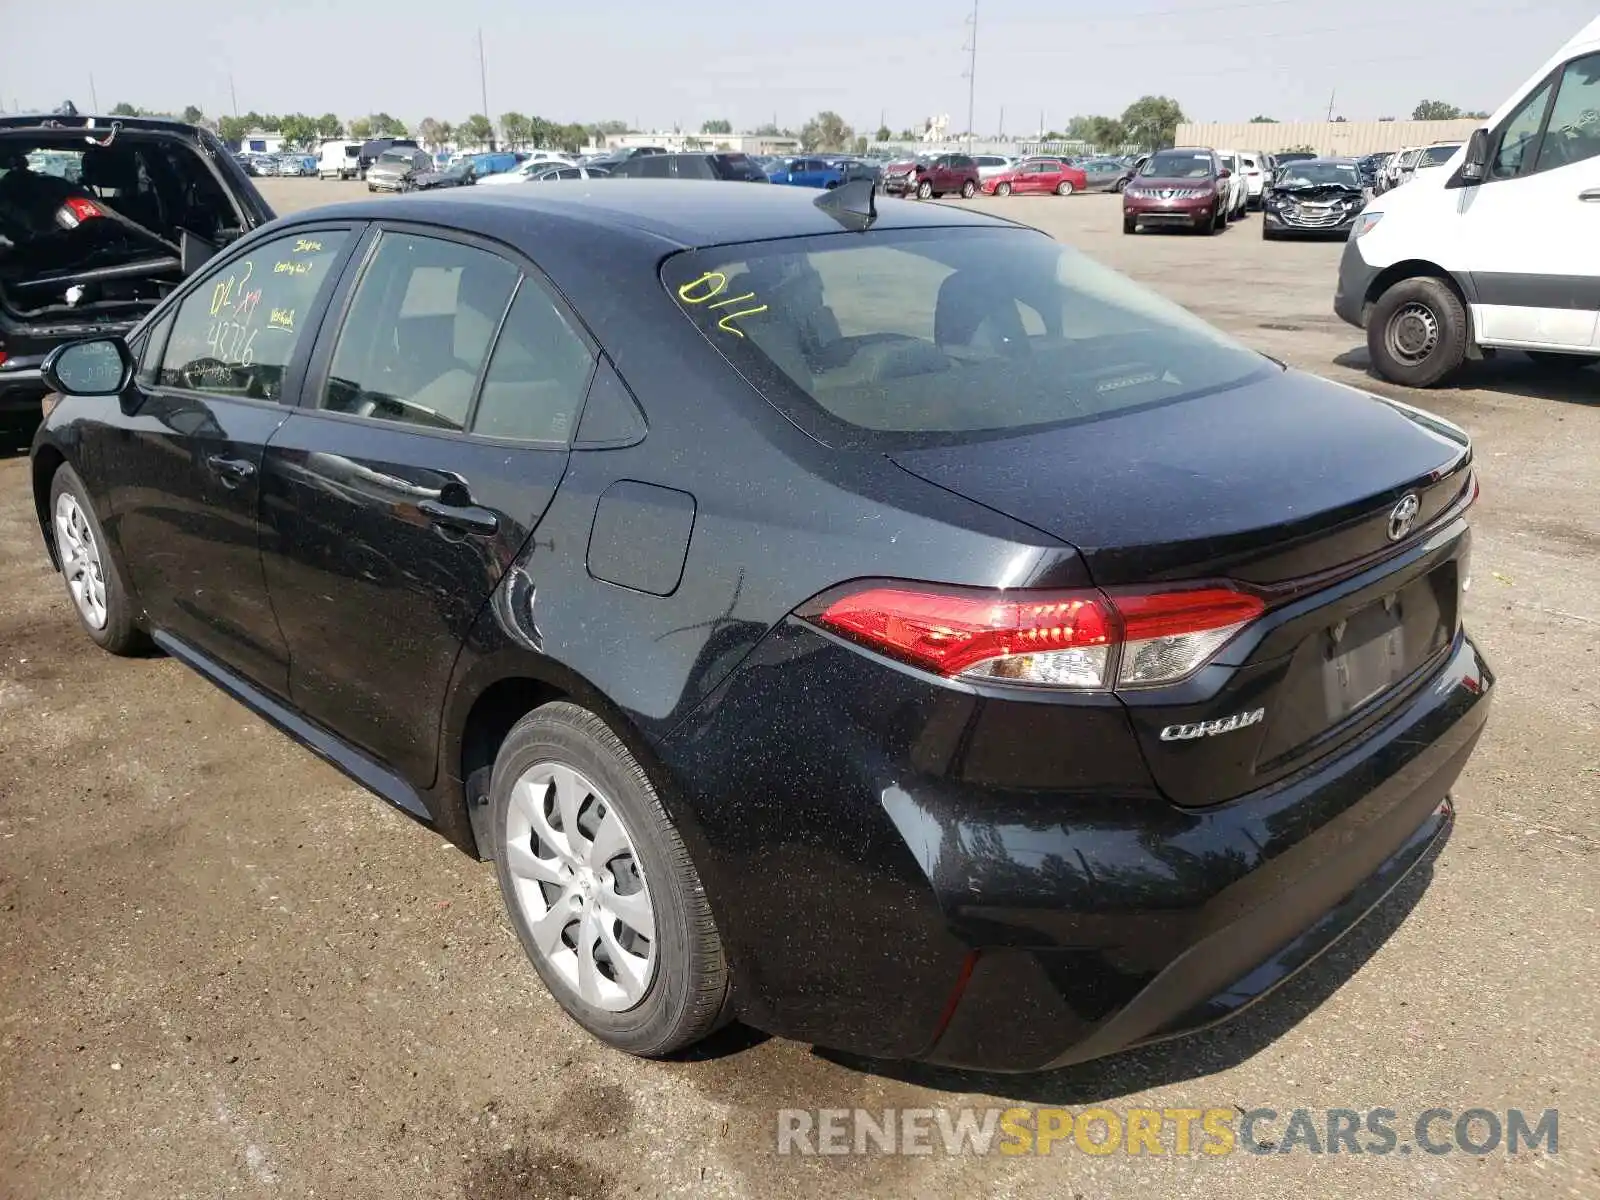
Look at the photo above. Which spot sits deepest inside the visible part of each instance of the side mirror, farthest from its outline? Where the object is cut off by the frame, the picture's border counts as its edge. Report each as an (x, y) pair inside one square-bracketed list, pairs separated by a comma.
[(98, 367), (1224, 174), (1475, 163)]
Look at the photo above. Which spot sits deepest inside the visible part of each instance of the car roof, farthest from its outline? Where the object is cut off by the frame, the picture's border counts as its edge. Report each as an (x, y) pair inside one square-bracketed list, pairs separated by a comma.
[(686, 213)]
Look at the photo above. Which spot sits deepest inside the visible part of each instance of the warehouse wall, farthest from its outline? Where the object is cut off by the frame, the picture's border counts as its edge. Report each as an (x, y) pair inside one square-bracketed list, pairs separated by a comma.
[(1326, 137)]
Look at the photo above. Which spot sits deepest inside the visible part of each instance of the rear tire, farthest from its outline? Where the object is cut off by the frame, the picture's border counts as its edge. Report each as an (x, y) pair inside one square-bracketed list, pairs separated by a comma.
[(560, 768), (1418, 332), (1064, 188), (93, 577), (1130, 225), (1121, 185)]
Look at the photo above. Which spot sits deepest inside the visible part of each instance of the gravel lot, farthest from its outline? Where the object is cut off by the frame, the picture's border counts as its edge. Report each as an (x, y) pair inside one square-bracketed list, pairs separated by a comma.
[(229, 971)]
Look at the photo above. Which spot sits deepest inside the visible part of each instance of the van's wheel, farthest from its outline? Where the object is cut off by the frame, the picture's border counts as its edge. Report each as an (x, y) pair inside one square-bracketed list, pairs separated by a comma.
[(1418, 332), (1064, 188), (924, 190), (93, 578), (599, 886), (968, 189), (1550, 360), (1002, 189)]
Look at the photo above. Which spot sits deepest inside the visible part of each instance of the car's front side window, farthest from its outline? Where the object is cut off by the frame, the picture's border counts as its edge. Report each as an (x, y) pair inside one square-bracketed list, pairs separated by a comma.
[(1572, 132), (235, 333), (418, 332)]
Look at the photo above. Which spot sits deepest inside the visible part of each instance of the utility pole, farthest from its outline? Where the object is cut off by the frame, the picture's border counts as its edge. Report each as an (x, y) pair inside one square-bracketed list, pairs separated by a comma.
[(94, 99), (972, 70), (234, 96), (1002, 122), (1331, 95), (483, 82)]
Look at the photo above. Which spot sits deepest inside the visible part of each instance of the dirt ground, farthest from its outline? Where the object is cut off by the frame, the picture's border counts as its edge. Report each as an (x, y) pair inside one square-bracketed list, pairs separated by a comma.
[(225, 970)]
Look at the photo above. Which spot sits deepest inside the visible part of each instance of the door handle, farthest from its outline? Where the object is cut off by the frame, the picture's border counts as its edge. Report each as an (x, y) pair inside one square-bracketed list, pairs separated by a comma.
[(1589, 194), (466, 517), (233, 470)]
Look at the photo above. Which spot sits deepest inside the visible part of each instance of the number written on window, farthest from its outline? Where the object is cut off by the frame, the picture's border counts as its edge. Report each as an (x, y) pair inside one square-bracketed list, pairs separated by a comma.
[(235, 334)]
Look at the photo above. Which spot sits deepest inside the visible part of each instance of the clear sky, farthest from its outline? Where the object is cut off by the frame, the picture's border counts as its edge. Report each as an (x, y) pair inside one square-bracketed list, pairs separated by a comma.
[(658, 63)]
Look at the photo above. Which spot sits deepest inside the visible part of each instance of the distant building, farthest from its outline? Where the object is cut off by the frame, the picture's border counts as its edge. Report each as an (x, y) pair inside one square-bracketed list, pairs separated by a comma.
[(260, 141), (1338, 138), (739, 143)]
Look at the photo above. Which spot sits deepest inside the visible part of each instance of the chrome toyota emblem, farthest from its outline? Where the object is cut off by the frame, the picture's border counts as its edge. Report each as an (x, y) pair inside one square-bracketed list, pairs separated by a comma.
[(1402, 515)]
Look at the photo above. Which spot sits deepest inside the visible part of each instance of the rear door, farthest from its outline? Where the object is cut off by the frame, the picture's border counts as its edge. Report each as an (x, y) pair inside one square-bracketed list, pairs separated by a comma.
[(432, 437), (183, 468)]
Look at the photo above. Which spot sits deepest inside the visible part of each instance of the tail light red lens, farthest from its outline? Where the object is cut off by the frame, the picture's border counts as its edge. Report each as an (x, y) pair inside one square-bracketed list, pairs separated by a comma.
[(1084, 640), (75, 210)]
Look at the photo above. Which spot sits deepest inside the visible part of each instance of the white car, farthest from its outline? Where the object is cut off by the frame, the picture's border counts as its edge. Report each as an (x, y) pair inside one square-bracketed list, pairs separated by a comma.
[(1498, 249), (1436, 155), (990, 165), (537, 161), (1238, 192), (550, 172), (1252, 165), (1400, 166)]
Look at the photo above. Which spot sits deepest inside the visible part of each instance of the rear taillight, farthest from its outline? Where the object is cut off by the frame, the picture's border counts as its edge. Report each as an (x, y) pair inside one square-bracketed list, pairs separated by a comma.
[(75, 210), (1083, 640)]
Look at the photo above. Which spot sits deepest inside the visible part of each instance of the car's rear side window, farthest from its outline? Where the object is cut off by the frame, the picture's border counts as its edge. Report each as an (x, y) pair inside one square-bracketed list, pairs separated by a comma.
[(538, 374), (418, 331), (915, 336)]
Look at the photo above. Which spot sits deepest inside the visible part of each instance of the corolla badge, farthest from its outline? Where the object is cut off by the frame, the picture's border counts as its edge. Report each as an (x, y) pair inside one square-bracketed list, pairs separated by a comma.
[(1402, 515), (1200, 729)]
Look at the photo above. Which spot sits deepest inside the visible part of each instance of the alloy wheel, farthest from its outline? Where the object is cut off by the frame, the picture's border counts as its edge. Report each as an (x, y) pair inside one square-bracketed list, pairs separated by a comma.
[(1412, 333), (580, 885), (81, 561)]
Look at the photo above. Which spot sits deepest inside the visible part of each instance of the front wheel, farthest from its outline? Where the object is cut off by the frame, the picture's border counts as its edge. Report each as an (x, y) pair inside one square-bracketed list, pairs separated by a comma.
[(968, 190), (924, 190), (1130, 225), (1418, 332), (1064, 188), (600, 887), (1121, 184), (1002, 189), (94, 582)]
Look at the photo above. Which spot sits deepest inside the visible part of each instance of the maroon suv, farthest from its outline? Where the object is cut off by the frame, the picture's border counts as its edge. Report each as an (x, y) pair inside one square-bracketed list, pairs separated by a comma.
[(927, 178), (1184, 189)]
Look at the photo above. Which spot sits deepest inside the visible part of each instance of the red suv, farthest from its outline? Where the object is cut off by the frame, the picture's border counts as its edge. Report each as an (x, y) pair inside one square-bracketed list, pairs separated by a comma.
[(1186, 189), (927, 178)]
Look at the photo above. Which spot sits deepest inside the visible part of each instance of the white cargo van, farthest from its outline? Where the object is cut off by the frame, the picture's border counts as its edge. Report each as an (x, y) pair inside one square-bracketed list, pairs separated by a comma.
[(339, 160), (1499, 247)]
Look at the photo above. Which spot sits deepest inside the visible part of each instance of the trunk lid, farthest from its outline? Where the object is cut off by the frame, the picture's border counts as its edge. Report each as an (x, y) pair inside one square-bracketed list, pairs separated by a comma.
[(1289, 485)]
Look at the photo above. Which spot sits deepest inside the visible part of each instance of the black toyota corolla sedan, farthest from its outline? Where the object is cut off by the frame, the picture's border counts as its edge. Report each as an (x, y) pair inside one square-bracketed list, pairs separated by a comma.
[(883, 625)]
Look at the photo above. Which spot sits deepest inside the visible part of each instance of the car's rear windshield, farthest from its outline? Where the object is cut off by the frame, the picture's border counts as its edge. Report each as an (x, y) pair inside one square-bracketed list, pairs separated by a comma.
[(911, 337), (1177, 164), (1436, 156), (395, 156)]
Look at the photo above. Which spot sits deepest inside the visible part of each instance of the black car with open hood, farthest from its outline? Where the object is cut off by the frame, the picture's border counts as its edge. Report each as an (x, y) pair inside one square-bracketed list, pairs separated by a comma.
[(100, 218), (1316, 197)]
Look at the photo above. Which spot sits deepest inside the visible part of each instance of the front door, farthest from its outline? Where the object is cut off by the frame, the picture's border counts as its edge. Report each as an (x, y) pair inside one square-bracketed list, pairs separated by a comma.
[(184, 470), (1530, 233), (426, 451)]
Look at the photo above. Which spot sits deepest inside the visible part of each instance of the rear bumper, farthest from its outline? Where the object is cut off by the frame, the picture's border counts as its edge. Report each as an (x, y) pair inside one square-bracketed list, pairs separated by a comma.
[(921, 895)]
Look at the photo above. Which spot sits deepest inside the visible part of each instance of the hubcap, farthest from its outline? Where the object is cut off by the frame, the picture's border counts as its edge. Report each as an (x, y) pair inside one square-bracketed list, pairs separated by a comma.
[(580, 886), (80, 561), (1413, 333)]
